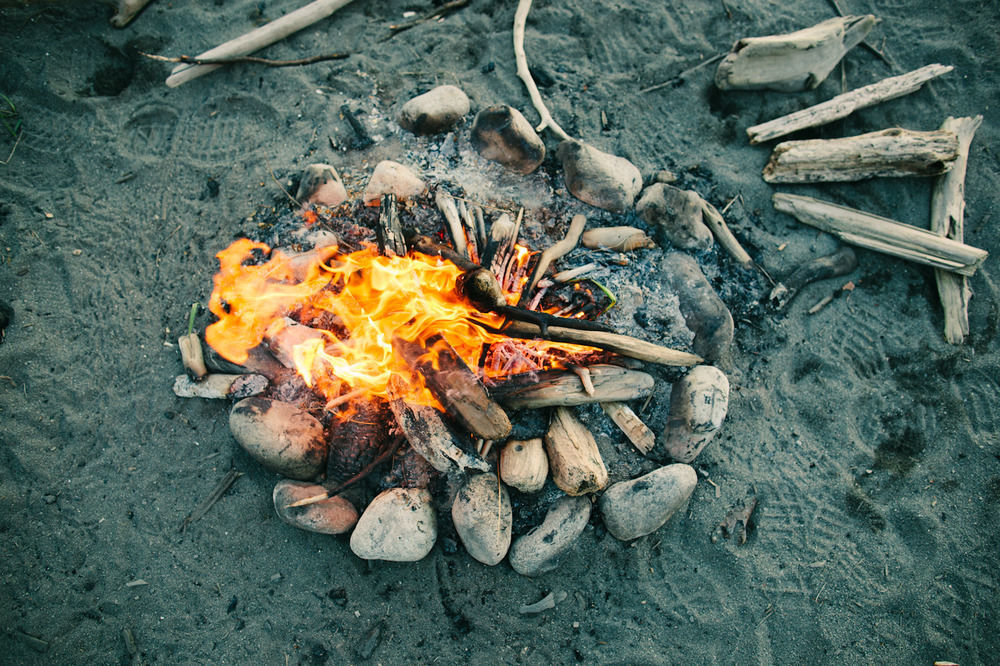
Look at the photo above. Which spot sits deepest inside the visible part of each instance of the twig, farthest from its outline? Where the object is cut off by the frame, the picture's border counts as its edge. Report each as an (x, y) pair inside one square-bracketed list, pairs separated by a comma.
[(253, 60), (11, 155), (430, 16), (520, 18), (679, 79), (382, 457), (282, 187), (221, 488)]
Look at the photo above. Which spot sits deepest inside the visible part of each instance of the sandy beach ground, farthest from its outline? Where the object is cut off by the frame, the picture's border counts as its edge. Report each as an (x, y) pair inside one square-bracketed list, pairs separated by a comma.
[(871, 443)]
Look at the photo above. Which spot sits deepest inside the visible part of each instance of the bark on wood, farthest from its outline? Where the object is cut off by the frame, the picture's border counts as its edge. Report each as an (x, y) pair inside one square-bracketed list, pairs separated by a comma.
[(263, 36), (637, 432), (844, 105), (389, 231), (948, 220), (891, 152), (613, 342), (611, 383), (458, 388), (841, 262), (795, 61), (882, 234), (559, 249)]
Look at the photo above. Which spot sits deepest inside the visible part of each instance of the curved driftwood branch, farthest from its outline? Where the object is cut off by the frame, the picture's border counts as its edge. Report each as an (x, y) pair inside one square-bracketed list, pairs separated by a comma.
[(520, 18)]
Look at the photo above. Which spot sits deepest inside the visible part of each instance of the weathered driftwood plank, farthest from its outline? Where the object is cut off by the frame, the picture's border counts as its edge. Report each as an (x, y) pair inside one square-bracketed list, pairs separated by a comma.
[(948, 220), (611, 383), (795, 61), (844, 105), (890, 152), (882, 234), (613, 342)]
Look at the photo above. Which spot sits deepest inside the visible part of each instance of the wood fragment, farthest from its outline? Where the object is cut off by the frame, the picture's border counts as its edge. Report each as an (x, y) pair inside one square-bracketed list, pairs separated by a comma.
[(844, 105), (575, 462), (680, 78), (948, 220), (448, 209), (246, 60), (882, 234), (637, 432), (888, 153), (192, 356), (555, 251), (450, 6), (500, 244), (723, 235), (523, 73), (574, 273), (619, 239), (256, 39), (738, 521), (389, 232), (840, 262), (34, 642), (221, 488), (470, 229), (547, 602), (611, 383), (220, 386)]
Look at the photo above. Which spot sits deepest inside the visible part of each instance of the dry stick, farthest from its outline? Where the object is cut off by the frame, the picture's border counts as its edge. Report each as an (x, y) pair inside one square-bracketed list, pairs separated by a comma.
[(430, 16), (221, 488), (882, 234), (251, 60), (555, 251), (714, 220), (881, 56), (365, 471), (520, 18), (631, 425), (948, 219), (844, 105), (677, 80), (257, 39)]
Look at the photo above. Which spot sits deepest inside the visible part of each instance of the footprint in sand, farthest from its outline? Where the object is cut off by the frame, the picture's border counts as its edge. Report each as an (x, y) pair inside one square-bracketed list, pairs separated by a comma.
[(227, 130), (149, 133)]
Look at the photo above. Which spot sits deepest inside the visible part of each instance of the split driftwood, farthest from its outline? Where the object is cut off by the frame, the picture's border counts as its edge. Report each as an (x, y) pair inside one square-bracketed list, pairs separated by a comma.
[(447, 207), (246, 60), (220, 386), (389, 231), (841, 262), (844, 105), (611, 383), (556, 250), (796, 61), (458, 388), (126, 10), (630, 423), (520, 19), (882, 234), (948, 220), (263, 36), (613, 342), (890, 152)]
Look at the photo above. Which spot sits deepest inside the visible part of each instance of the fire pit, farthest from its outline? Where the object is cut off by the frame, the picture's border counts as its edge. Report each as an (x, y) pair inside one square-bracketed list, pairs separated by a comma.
[(400, 353)]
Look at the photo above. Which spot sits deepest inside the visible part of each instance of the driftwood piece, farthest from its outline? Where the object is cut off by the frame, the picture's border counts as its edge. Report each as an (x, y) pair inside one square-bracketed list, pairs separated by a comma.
[(838, 263), (619, 239), (723, 235), (429, 436), (220, 386), (844, 105), (890, 152), (192, 355), (948, 220), (613, 342), (556, 250), (448, 209), (630, 423), (126, 10), (458, 388), (523, 73), (882, 234), (256, 39), (575, 462), (611, 383), (471, 232), (795, 61), (389, 231), (738, 521)]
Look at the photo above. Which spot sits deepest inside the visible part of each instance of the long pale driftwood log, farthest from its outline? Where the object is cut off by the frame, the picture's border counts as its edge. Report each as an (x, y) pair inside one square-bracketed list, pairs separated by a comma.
[(611, 383), (844, 105), (794, 61), (263, 36), (890, 152), (882, 234), (948, 220), (613, 342)]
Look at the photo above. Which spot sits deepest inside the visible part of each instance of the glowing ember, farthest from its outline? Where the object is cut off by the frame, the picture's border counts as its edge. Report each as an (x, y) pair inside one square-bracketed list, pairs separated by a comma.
[(364, 301)]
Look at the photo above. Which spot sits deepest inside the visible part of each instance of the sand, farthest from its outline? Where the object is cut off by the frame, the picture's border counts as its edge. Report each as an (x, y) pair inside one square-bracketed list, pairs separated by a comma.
[(871, 444)]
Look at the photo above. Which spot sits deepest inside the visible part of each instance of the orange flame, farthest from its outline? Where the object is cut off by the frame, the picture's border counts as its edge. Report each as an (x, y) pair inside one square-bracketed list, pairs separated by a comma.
[(366, 300)]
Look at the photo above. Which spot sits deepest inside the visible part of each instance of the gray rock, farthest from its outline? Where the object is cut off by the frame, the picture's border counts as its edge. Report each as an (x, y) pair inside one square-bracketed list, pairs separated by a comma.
[(332, 516), (539, 550), (392, 178), (698, 405), (280, 436), (703, 311), (597, 178), (399, 526), (677, 213), (502, 134), (482, 516), (632, 509), (435, 111), (321, 184)]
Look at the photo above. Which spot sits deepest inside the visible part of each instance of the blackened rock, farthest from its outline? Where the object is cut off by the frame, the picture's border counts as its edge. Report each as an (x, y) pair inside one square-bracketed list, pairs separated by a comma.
[(704, 312), (502, 134)]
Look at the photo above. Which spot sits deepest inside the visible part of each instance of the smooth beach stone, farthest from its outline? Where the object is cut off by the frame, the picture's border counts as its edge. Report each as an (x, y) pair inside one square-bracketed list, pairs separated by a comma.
[(539, 550), (399, 526), (633, 509), (703, 311), (524, 464), (392, 178), (698, 405), (502, 134), (482, 516), (677, 213), (435, 111), (321, 184), (280, 436), (598, 178), (331, 516)]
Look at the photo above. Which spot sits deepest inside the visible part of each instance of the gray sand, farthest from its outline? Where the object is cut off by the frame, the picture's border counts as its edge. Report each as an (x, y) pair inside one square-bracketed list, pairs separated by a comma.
[(871, 443)]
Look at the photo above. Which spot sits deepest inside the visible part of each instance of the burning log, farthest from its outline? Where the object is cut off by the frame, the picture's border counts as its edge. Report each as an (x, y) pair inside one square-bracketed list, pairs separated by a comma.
[(844, 105), (892, 152), (882, 234), (613, 342), (611, 383), (458, 388), (637, 432), (574, 459), (389, 232), (220, 386), (281, 340), (557, 250)]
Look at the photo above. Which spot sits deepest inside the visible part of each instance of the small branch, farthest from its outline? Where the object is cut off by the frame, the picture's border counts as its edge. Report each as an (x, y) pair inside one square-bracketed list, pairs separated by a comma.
[(520, 18), (221, 488), (679, 79), (557, 250), (254, 60), (430, 16)]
